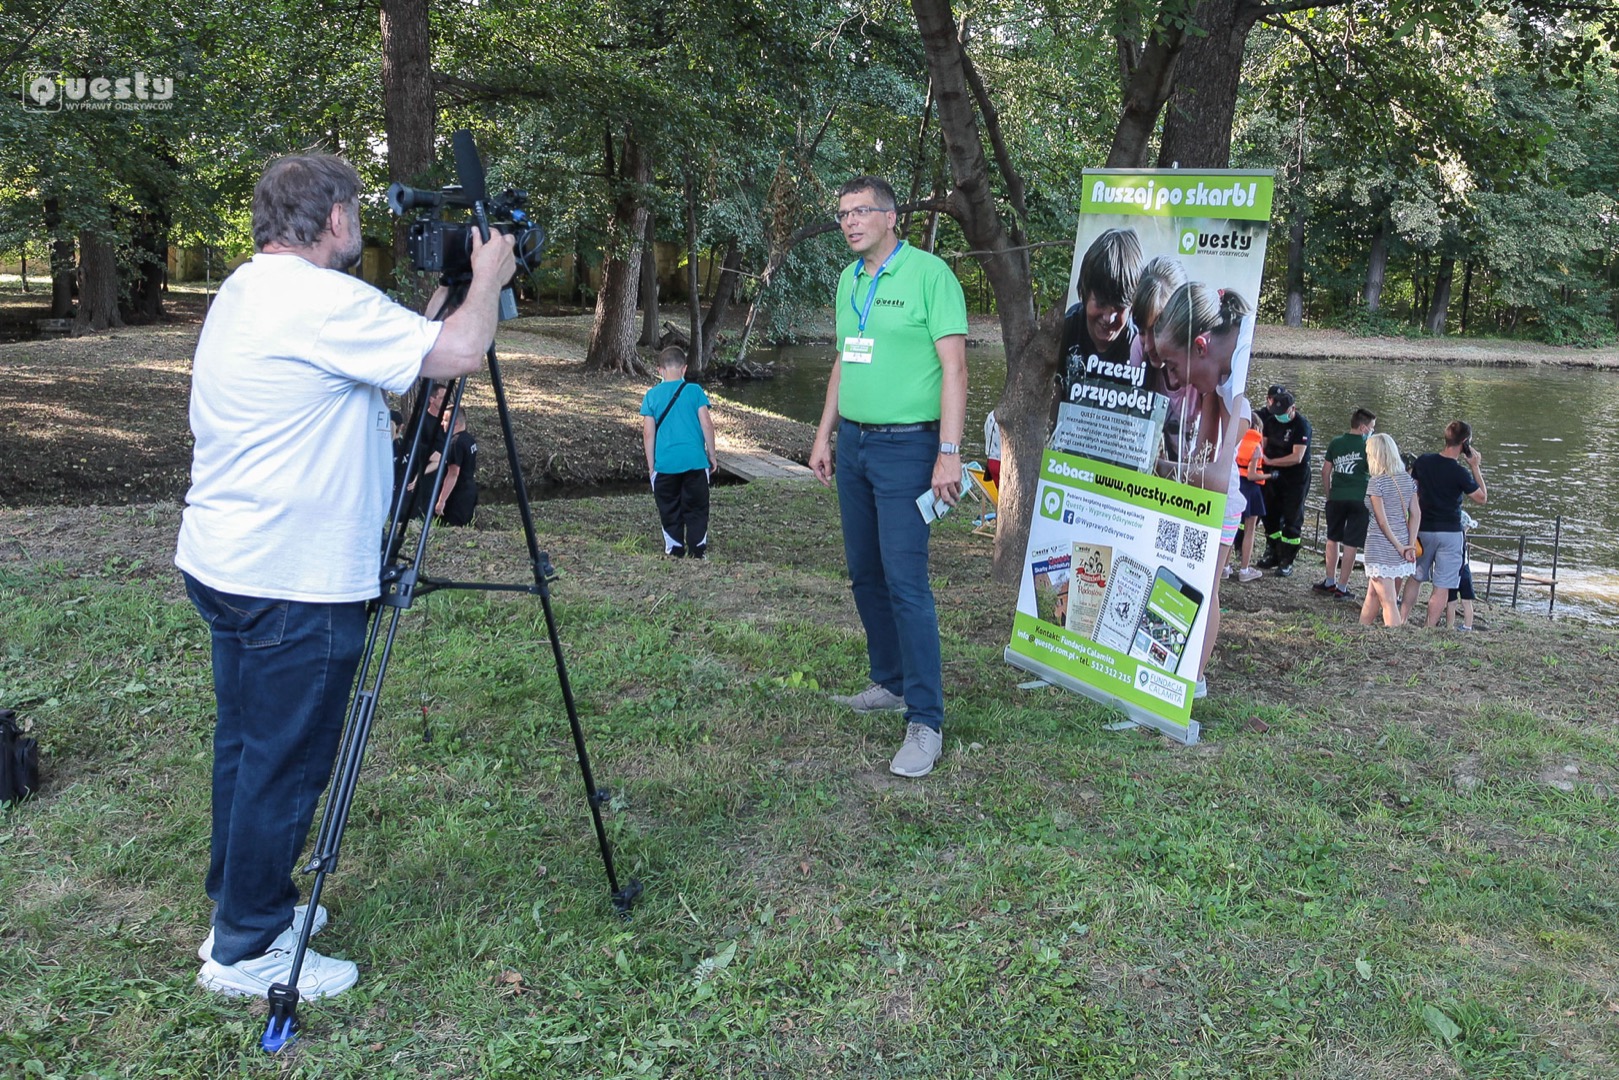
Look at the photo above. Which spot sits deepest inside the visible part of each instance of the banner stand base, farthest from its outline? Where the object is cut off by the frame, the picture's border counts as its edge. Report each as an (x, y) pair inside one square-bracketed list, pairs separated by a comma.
[(1122, 725), (1138, 717)]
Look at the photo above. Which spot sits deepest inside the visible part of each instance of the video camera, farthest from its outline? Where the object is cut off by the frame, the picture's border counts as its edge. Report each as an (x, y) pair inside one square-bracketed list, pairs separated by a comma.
[(439, 245)]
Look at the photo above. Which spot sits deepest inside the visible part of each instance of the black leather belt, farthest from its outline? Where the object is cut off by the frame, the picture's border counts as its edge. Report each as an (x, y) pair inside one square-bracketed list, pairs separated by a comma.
[(926, 425)]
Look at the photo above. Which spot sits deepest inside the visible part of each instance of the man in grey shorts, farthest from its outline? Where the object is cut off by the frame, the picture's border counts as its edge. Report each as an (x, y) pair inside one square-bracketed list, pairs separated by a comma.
[(1443, 479)]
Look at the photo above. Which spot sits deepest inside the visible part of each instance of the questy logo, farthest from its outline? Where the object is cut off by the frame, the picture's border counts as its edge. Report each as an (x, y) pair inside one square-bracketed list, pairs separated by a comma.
[(56, 91), (1051, 504)]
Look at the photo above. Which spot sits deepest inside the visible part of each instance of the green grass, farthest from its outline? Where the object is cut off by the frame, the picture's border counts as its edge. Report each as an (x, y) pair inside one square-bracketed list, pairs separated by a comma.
[(1326, 899)]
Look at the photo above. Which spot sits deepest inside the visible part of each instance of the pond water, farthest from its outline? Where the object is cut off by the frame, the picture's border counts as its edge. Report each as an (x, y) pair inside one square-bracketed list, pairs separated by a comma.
[(1547, 436)]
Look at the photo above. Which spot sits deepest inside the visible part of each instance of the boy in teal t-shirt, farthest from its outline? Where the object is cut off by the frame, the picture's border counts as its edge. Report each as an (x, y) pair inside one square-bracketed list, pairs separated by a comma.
[(679, 437)]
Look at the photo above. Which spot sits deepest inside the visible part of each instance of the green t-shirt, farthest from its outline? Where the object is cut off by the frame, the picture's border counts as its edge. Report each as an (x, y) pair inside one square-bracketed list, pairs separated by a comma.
[(1348, 456), (918, 301)]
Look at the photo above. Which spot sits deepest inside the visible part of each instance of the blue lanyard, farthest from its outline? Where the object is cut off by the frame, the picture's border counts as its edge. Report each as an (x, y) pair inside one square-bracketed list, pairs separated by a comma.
[(871, 294)]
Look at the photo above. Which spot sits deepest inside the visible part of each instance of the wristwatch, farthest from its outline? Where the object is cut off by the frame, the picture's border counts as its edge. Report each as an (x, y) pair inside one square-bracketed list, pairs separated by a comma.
[(949, 448)]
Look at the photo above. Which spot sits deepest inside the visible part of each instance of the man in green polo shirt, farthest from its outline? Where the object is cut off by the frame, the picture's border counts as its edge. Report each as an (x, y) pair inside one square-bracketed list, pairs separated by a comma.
[(895, 403)]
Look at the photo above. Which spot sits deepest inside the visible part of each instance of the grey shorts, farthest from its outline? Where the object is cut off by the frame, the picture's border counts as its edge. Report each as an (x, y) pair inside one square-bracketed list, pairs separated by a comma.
[(1441, 560)]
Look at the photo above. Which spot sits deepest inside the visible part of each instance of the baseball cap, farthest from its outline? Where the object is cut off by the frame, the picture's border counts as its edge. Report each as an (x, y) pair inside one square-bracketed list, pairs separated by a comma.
[(1282, 399)]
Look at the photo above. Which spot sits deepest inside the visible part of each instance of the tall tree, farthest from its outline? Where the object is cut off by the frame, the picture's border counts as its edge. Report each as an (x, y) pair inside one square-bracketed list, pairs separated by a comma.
[(1001, 248), (98, 284), (408, 108), (613, 333)]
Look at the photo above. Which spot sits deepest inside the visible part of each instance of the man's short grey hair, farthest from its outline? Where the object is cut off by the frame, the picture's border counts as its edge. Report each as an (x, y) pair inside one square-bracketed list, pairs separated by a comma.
[(883, 194), (294, 198)]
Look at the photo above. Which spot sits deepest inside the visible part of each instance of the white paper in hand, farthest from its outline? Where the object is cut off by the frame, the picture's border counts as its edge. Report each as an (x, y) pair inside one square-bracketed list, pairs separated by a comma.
[(932, 507)]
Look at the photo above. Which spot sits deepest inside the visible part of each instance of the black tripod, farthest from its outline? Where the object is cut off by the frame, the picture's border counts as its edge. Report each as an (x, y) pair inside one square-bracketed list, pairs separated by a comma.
[(401, 583)]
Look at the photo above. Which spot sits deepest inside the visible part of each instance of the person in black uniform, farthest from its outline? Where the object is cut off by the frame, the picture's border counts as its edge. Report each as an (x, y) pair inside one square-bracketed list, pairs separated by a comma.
[(1287, 452)]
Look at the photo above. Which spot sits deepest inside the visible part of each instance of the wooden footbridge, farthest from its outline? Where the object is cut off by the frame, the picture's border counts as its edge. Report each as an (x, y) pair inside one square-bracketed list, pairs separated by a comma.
[(761, 465)]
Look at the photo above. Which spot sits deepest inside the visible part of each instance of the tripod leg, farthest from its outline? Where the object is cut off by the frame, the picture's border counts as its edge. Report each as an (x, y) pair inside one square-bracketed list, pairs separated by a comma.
[(623, 898), (282, 1028)]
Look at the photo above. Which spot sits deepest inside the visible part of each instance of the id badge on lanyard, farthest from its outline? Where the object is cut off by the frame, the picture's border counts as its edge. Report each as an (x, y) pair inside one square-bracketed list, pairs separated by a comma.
[(858, 348)]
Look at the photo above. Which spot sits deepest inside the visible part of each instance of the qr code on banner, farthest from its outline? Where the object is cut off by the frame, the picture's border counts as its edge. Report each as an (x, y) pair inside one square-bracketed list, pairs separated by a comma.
[(1194, 543), (1169, 534)]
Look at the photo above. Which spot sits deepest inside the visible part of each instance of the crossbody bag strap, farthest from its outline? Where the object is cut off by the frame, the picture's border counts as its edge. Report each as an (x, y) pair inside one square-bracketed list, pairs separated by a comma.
[(658, 423)]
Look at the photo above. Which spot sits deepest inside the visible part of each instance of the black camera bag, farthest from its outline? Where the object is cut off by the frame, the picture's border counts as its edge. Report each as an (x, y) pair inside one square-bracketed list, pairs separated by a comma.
[(19, 761)]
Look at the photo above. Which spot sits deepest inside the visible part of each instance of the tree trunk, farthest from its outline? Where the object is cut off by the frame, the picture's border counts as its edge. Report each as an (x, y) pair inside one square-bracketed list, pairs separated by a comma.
[(408, 114), (1203, 107), (694, 290), (612, 335), (649, 282), (1467, 291), (62, 264), (1377, 264), (1441, 296), (1149, 78), (920, 162), (1031, 343), (581, 271), (151, 247), (1295, 268), (98, 285), (719, 305)]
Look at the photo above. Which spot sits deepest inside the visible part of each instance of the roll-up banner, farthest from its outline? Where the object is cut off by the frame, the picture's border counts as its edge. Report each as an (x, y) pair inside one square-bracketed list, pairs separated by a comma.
[(1119, 576)]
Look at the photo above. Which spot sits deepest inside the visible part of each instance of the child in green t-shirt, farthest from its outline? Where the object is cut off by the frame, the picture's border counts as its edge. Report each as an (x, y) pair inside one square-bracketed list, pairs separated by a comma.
[(679, 437)]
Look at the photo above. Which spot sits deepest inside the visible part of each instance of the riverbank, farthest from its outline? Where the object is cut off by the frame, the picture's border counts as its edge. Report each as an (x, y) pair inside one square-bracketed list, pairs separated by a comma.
[(1275, 341), (102, 419), (1302, 343)]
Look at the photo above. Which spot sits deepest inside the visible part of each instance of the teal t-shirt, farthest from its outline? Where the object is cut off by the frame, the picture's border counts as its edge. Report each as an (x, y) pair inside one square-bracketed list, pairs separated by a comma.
[(1348, 456), (918, 301), (679, 446)]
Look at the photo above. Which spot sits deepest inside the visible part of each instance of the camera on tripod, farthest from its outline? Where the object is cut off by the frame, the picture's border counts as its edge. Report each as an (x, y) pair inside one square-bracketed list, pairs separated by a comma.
[(437, 244)]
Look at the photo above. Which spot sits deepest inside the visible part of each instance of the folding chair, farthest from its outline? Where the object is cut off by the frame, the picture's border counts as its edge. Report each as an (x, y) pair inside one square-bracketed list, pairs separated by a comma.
[(985, 496)]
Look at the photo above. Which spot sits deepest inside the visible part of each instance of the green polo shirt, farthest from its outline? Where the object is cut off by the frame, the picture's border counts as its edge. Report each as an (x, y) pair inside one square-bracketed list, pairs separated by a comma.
[(918, 302)]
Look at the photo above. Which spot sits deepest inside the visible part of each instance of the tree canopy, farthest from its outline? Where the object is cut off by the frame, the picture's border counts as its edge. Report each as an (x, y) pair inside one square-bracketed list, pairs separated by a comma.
[(1444, 165)]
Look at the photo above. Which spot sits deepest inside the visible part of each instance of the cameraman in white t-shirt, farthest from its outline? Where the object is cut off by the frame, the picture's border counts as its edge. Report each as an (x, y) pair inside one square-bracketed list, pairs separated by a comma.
[(280, 543)]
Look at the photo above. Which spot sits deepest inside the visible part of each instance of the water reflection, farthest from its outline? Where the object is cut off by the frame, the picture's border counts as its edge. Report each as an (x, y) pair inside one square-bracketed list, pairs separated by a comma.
[(1544, 433)]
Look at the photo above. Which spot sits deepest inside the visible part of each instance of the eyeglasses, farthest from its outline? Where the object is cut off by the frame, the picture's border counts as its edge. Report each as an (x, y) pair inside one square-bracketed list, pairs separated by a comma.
[(861, 212)]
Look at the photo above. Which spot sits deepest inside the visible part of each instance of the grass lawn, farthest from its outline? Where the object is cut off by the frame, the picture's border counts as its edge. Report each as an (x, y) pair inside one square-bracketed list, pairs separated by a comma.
[(1393, 855)]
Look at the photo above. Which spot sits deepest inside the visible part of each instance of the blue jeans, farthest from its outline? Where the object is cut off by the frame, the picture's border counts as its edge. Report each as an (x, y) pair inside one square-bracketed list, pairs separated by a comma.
[(885, 541), (282, 674)]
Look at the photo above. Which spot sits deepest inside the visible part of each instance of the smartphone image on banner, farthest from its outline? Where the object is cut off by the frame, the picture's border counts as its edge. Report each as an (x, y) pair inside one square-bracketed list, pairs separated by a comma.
[(1123, 604), (1166, 621)]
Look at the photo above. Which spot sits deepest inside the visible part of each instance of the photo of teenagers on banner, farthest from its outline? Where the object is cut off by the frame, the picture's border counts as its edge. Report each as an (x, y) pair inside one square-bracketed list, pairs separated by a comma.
[(1120, 578)]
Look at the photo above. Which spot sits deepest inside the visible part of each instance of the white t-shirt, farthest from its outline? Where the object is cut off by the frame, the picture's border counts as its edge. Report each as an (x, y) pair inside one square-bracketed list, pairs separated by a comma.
[(293, 469)]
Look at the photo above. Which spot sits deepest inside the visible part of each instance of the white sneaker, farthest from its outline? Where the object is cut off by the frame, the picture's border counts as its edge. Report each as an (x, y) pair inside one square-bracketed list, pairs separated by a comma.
[(873, 698), (1248, 573), (918, 753), (321, 976), (205, 951)]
